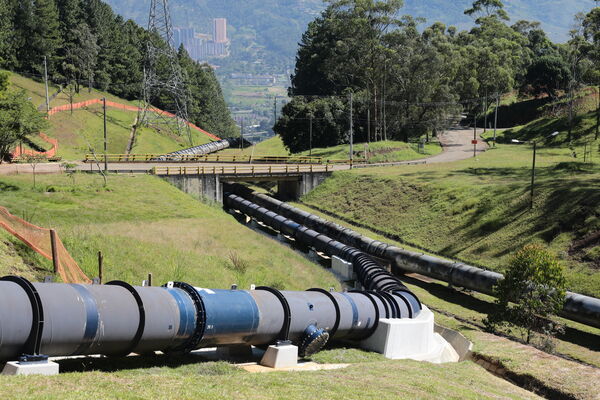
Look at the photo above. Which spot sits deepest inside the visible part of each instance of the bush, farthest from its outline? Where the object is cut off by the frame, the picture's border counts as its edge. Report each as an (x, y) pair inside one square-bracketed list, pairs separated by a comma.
[(532, 291)]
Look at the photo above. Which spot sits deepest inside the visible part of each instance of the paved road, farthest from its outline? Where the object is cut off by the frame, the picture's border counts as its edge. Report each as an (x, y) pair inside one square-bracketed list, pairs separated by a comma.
[(52, 168), (457, 146)]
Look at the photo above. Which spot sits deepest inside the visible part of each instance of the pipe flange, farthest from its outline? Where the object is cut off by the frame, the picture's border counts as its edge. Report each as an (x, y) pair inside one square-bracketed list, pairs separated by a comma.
[(314, 340), (196, 338)]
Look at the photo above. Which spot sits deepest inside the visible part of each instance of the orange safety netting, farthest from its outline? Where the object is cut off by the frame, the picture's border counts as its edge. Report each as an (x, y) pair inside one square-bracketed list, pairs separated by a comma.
[(39, 240), (19, 151)]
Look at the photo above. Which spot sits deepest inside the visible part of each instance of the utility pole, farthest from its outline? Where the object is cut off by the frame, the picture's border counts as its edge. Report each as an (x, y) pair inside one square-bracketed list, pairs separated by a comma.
[(310, 136), (570, 111), (383, 100), (105, 139), (496, 116), (485, 110), (242, 132), (351, 132), (274, 110), (474, 133), (369, 124), (46, 84), (532, 176), (597, 114)]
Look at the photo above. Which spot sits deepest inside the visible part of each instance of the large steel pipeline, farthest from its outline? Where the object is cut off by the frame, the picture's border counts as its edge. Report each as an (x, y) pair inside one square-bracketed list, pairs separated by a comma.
[(206, 148), (370, 274), (577, 307), (117, 319)]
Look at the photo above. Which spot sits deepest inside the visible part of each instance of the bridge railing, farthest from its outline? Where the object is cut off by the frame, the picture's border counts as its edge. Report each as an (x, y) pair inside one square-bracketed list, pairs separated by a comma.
[(241, 169), (219, 158)]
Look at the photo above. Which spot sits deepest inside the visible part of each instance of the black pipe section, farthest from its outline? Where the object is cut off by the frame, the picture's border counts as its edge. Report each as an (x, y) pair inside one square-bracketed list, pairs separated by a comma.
[(370, 274), (206, 148), (117, 319), (577, 307)]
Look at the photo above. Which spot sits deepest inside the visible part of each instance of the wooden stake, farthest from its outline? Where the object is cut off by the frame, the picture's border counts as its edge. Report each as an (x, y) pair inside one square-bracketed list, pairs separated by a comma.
[(54, 250), (100, 266), (150, 279)]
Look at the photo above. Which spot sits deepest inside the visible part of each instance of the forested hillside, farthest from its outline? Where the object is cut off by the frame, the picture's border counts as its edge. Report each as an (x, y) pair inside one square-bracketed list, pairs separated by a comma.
[(269, 30), (86, 44), (408, 84)]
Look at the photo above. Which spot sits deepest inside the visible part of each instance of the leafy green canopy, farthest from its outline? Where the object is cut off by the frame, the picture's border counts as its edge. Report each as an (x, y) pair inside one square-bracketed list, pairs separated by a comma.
[(18, 117), (406, 81)]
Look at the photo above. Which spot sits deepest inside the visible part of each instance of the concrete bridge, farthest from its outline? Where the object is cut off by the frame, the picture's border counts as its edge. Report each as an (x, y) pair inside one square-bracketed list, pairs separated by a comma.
[(210, 181), (207, 180)]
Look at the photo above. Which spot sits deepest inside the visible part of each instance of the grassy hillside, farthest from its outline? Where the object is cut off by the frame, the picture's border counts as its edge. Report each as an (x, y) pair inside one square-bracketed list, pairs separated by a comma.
[(477, 210), (385, 151), (142, 224), (83, 128)]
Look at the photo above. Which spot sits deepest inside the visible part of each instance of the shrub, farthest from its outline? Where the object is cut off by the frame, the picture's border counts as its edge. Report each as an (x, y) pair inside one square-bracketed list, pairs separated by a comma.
[(532, 291)]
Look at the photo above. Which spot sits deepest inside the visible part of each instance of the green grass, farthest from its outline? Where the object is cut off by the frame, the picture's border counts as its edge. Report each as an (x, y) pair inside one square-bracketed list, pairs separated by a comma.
[(270, 147), (83, 128), (584, 127), (386, 151), (477, 210), (184, 378), (142, 224)]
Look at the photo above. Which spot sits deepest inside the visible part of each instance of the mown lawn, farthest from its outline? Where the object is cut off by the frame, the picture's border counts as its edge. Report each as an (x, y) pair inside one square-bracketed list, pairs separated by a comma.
[(385, 151), (144, 225), (185, 378)]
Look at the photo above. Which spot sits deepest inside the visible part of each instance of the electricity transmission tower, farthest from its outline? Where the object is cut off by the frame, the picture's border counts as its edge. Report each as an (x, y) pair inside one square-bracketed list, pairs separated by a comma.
[(163, 77)]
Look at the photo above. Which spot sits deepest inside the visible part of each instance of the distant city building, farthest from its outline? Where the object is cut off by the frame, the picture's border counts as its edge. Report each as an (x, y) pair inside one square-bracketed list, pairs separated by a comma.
[(202, 46), (220, 30)]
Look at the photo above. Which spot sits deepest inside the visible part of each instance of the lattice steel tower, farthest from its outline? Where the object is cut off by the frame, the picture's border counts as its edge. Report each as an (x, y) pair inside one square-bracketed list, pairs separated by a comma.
[(166, 82)]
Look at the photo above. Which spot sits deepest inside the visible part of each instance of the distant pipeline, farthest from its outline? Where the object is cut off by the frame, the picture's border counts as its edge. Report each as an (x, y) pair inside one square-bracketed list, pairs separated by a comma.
[(206, 148), (577, 307)]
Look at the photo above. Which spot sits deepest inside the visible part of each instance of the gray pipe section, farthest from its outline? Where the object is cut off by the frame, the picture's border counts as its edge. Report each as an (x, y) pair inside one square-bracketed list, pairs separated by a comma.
[(577, 307), (202, 149), (117, 319)]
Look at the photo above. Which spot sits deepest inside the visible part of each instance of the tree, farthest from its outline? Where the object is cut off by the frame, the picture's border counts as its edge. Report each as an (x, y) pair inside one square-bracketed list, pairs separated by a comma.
[(34, 160), (42, 37), (548, 74), (532, 291), (329, 117), (487, 9), (591, 25), (18, 119)]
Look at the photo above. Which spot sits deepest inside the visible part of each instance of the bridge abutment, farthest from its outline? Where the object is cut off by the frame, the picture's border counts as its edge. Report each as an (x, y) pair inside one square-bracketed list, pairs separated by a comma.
[(209, 187), (201, 187)]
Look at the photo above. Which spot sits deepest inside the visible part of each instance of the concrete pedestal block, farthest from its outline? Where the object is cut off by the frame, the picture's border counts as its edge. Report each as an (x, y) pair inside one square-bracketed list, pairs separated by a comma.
[(410, 338), (30, 368), (280, 356), (343, 269)]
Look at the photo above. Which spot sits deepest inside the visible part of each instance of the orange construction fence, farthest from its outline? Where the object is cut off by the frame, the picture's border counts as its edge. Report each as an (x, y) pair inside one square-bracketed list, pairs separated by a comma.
[(19, 151), (40, 240)]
